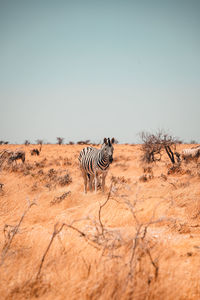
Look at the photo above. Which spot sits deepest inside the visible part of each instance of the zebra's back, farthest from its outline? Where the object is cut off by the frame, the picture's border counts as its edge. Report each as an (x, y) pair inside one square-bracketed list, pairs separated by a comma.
[(87, 159)]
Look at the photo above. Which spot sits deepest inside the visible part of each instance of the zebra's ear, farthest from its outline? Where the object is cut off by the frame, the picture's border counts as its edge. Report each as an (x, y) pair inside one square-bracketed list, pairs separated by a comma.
[(112, 140), (105, 141)]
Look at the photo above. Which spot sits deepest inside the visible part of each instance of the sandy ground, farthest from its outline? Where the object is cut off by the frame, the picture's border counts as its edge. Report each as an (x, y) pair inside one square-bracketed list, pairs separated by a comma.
[(140, 241)]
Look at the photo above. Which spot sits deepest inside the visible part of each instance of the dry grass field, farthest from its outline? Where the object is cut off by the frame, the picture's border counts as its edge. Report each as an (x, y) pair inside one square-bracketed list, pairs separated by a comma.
[(139, 240)]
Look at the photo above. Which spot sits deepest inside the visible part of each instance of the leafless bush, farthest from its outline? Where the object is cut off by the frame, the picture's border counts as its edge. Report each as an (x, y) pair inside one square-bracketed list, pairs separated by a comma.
[(175, 169), (41, 164), (154, 144), (67, 162), (64, 180), (52, 174), (53, 178), (121, 180), (59, 199)]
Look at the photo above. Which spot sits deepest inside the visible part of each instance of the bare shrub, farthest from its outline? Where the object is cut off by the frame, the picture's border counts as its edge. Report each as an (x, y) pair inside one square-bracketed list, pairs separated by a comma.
[(59, 199), (67, 162), (154, 144), (175, 169), (120, 179), (64, 180), (52, 174), (41, 164)]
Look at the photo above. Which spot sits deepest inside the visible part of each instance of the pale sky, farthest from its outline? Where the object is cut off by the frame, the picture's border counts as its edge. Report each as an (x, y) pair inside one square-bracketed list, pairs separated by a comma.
[(81, 69)]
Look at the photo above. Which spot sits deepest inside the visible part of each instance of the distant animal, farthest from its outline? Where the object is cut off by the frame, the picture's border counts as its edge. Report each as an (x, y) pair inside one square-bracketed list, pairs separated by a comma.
[(190, 153), (19, 154), (94, 162), (35, 152)]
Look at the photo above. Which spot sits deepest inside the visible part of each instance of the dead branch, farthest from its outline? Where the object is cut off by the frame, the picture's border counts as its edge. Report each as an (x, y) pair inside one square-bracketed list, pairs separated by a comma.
[(55, 232), (100, 208), (12, 233), (156, 267)]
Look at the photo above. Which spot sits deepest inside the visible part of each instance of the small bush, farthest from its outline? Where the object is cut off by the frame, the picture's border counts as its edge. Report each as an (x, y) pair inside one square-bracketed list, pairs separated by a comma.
[(64, 180), (59, 199)]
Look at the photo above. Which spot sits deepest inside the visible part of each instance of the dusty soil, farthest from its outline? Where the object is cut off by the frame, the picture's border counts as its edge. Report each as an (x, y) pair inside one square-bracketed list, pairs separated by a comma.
[(139, 240)]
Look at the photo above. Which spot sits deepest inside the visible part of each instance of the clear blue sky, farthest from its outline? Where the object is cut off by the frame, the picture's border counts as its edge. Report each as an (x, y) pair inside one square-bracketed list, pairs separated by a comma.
[(100, 68)]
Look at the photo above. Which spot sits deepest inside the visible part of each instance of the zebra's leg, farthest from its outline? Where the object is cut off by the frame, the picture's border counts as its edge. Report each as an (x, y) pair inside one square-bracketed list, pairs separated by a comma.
[(91, 179), (95, 182), (85, 180)]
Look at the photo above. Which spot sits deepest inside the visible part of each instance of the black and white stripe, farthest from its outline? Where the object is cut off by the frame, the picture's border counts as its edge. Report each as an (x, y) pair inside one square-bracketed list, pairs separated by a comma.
[(94, 162)]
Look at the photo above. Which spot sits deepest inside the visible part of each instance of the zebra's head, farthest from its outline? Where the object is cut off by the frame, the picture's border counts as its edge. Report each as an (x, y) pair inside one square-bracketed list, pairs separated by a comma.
[(108, 149)]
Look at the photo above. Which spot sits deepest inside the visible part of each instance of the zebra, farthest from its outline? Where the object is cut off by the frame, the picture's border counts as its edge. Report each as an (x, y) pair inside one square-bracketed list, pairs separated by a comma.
[(94, 162), (191, 153)]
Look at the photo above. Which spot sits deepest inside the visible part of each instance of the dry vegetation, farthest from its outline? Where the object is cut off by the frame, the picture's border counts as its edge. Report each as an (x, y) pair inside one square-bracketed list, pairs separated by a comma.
[(140, 240)]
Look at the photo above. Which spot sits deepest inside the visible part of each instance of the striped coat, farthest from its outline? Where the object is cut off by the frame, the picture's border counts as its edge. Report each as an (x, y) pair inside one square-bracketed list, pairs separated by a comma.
[(191, 153), (94, 162)]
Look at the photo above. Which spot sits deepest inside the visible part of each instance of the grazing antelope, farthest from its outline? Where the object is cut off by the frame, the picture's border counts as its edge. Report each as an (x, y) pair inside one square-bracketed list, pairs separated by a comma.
[(19, 154)]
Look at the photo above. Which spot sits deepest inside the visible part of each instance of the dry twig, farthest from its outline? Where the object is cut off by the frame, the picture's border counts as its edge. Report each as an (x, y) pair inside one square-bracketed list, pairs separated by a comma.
[(12, 233)]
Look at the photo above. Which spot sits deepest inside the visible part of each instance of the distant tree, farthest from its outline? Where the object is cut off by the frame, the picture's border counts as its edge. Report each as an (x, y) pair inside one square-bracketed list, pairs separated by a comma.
[(193, 142), (26, 143), (39, 142), (153, 144), (60, 140), (86, 142)]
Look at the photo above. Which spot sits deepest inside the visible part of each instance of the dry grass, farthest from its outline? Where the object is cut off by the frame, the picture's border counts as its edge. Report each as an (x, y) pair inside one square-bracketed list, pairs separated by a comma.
[(140, 240)]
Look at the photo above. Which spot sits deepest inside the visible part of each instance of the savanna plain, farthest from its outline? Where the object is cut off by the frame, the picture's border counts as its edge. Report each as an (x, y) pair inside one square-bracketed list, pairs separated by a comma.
[(138, 240)]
